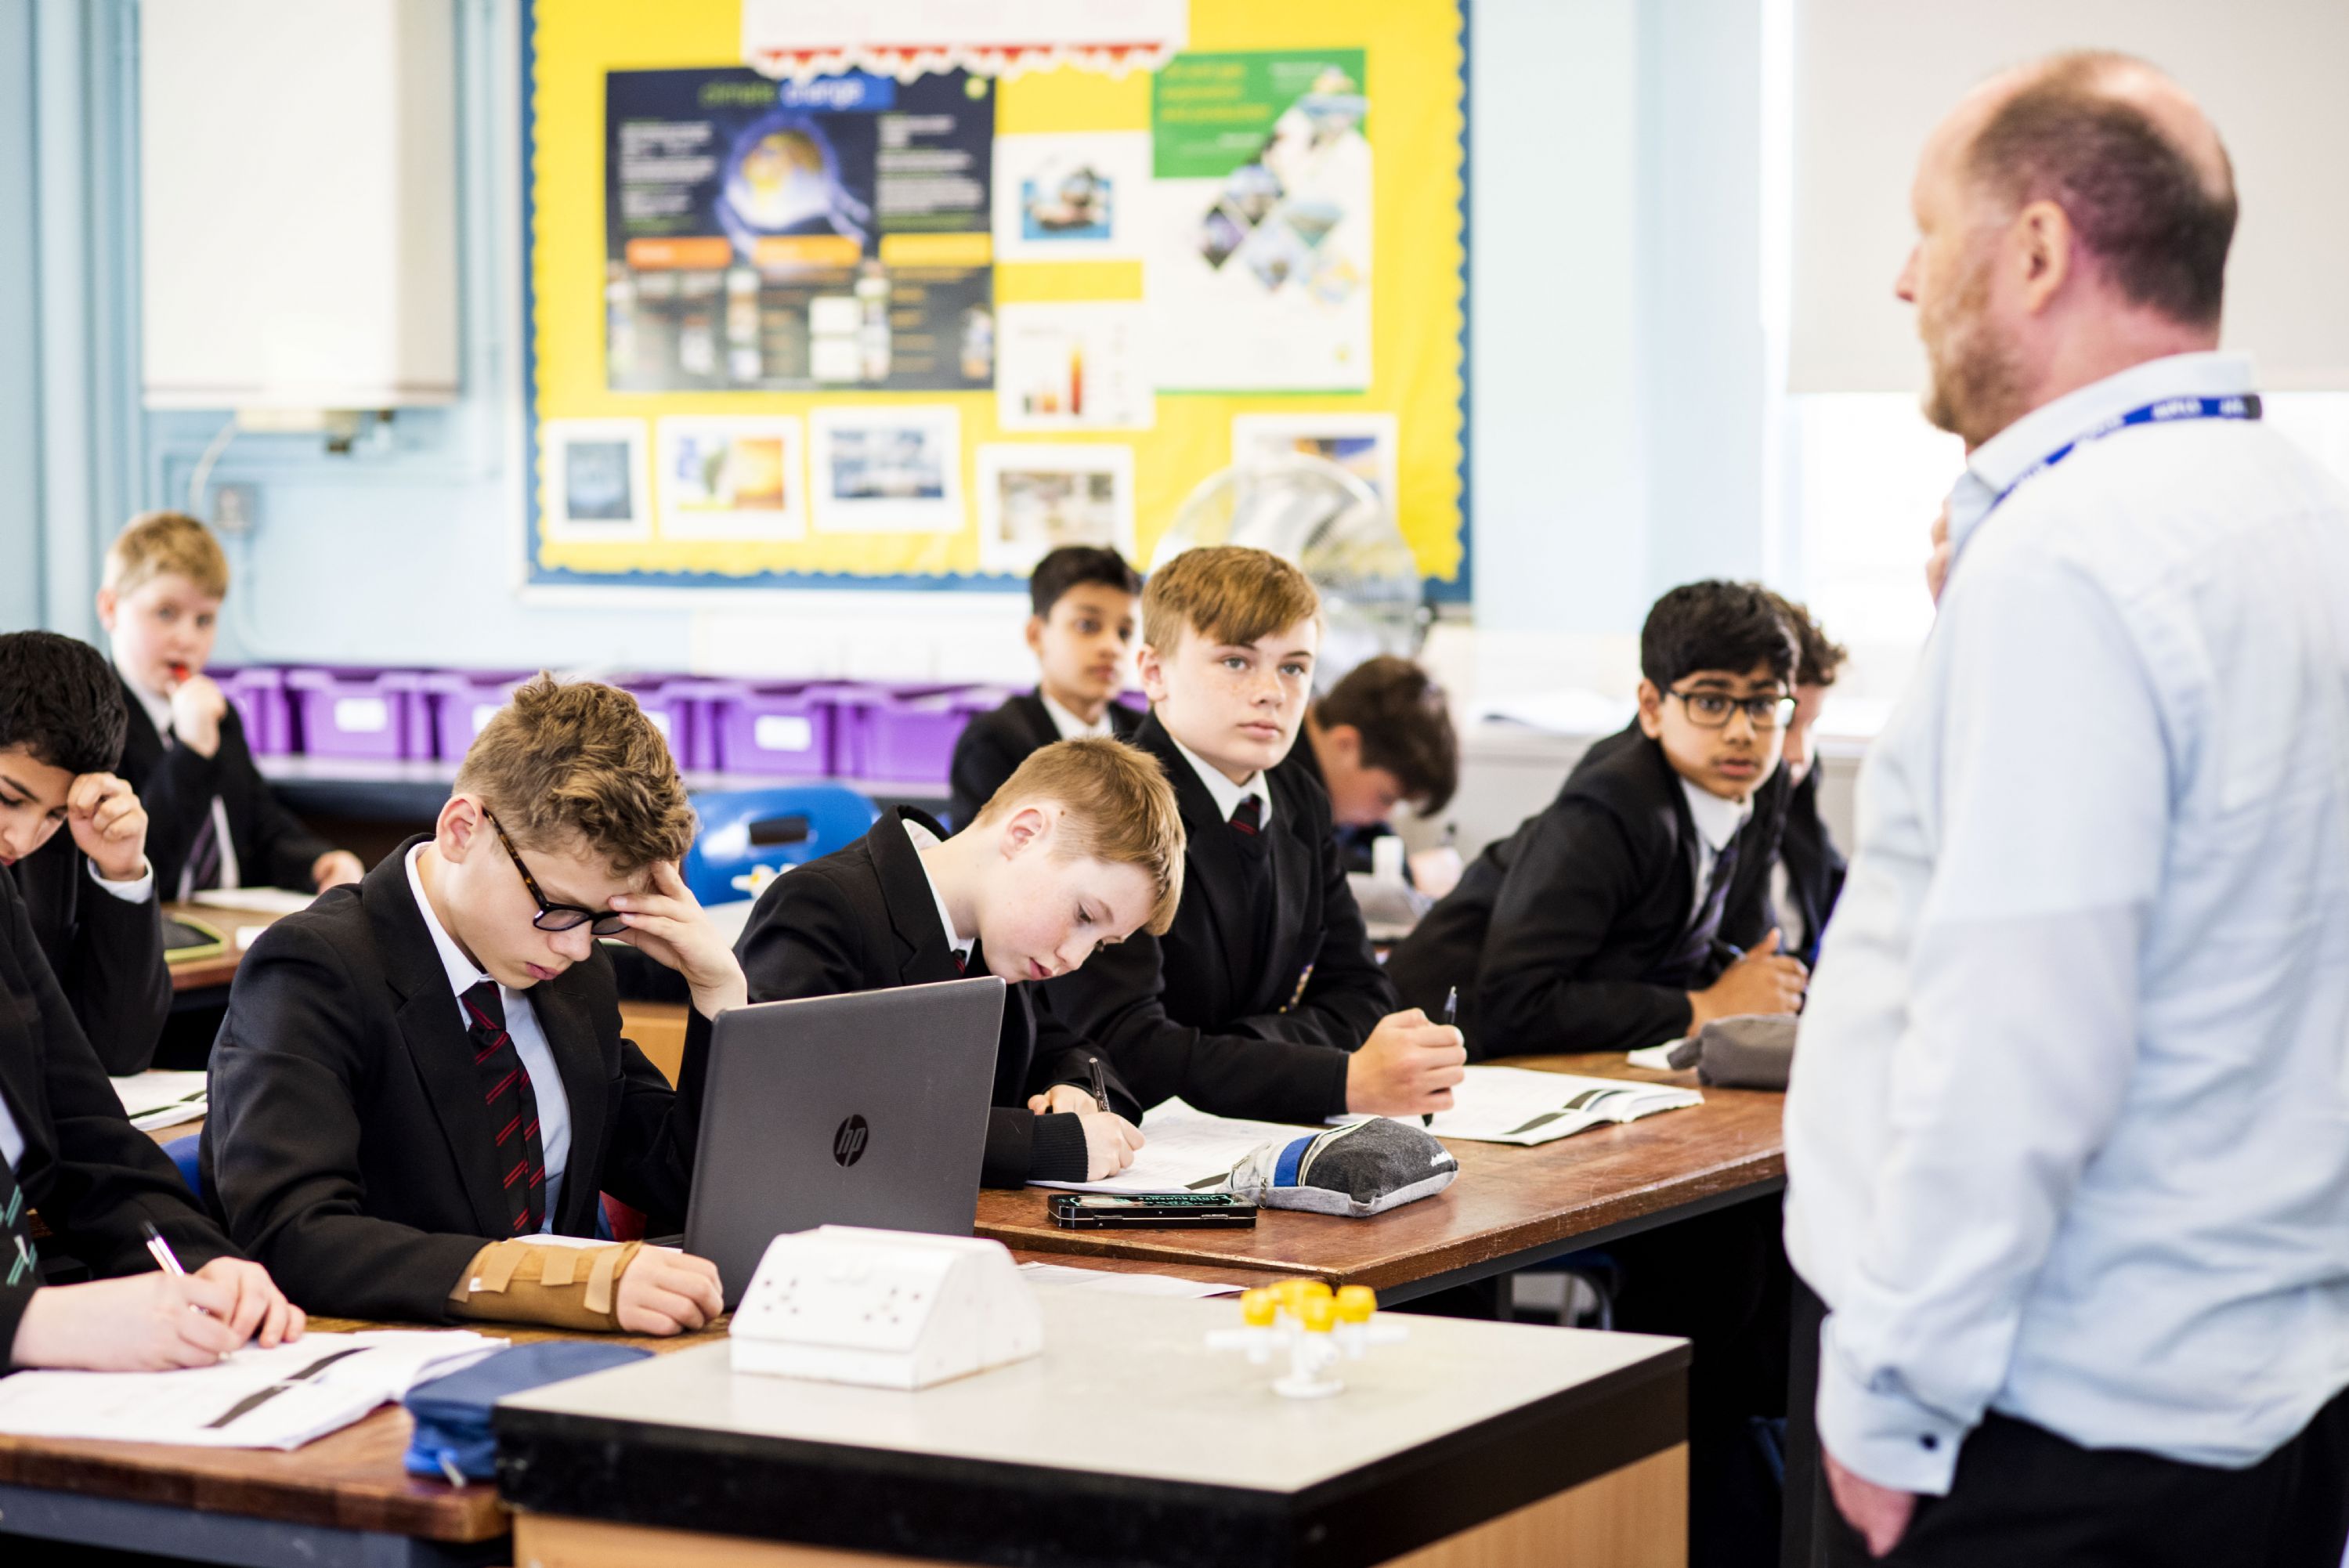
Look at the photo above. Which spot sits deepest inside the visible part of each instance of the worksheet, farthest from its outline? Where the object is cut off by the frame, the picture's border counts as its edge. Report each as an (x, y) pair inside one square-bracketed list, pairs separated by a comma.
[(160, 1098), (1188, 1151), (1518, 1105)]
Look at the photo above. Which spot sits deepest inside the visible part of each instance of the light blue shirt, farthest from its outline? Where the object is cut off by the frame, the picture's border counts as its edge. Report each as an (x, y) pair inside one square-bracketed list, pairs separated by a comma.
[(529, 1043), (2068, 1135)]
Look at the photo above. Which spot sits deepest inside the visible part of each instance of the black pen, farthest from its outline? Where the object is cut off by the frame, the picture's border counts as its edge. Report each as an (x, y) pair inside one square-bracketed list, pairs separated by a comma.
[(1101, 1089), (1451, 1015), (161, 1251)]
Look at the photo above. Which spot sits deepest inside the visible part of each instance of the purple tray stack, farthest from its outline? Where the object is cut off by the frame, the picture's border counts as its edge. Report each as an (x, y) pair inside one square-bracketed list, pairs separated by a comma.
[(460, 702), (680, 707), (908, 735), (783, 730), (361, 713), (259, 695)]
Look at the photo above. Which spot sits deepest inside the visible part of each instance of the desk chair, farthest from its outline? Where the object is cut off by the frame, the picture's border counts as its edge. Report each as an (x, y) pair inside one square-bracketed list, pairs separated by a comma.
[(182, 1153), (748, 835)]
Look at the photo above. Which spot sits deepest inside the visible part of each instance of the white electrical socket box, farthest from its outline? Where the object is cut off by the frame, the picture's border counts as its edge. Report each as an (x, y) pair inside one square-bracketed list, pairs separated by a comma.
[(298, 172), (887, 1309)]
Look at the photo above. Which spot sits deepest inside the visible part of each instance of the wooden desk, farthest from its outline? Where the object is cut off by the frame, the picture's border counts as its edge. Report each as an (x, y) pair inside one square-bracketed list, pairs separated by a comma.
[(1511, 1207), (205, 975), (343, 1501)]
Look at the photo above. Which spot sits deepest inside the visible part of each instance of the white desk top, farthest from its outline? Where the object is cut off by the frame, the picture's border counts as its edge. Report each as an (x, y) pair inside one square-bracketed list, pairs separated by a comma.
[(1126, 1386)]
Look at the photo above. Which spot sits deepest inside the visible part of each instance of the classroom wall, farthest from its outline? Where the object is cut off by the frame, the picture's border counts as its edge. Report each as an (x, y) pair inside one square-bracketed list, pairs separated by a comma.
[(1615, 367)]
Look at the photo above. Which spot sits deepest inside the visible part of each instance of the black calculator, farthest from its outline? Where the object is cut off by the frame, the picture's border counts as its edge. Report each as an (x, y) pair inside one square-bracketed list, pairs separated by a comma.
[(1152, 1211)]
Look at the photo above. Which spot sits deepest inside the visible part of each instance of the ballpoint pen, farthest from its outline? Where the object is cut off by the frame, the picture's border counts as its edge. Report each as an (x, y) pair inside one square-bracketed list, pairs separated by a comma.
[(1451, 1014)]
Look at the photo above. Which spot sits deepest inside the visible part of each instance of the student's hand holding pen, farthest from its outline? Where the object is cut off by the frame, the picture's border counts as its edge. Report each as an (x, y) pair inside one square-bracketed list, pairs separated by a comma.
[(154, 1322), (1407, 1068)]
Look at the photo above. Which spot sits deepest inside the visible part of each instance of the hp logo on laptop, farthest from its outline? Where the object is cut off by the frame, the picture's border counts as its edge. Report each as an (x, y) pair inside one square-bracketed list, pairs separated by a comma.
[(848, 1140)]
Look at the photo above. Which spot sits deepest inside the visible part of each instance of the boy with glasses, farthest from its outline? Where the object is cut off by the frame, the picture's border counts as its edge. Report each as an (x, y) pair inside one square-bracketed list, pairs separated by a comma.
[(420, 1075), (1635, 908)]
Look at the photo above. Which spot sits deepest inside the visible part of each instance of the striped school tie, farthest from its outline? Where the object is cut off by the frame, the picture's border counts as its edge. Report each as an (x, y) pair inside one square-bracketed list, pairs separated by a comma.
[(514, 1107), (19, 1260)]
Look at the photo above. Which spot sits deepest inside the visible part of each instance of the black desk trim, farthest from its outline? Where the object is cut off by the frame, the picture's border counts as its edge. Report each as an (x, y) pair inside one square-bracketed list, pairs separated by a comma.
[(1032, 1516)]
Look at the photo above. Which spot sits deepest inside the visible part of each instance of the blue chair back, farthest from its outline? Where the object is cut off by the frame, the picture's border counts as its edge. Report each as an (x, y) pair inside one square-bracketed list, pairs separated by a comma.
[(182, 1153), (787, 825)]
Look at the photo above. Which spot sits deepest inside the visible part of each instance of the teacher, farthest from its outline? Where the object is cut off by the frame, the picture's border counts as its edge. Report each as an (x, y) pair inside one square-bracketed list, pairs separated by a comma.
[(2067, 1142)]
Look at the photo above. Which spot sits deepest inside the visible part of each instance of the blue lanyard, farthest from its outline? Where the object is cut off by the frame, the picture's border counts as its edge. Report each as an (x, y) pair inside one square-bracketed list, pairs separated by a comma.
[(2168, 411)]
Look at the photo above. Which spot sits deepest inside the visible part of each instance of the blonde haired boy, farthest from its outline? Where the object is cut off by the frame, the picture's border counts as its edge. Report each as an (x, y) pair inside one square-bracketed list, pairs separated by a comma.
[(212, 821), (1079, 850), (420, 1074), (1263, 997)]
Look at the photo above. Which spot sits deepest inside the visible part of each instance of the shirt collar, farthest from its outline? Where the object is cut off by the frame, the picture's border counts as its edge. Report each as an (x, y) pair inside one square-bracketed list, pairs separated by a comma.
[(2001, 462), (922, 838), (463, 975), (158, 709), (1717, 821), (1228, 795), (1070, 726)]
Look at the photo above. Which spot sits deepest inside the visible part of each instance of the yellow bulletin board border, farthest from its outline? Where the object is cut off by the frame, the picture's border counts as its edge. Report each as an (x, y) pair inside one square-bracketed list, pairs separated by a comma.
[(1420, 301)]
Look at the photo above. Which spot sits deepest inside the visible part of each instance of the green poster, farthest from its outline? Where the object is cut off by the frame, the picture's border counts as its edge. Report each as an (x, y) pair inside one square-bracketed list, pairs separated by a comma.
[(1210, 114)]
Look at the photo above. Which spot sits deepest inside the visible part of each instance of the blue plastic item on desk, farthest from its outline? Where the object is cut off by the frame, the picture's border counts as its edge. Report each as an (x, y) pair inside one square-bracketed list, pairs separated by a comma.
[(452, 1413), (788, 825)]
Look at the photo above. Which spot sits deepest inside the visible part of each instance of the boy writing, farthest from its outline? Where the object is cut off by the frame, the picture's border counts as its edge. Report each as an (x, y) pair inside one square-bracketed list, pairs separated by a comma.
[(88, 892), (212, 822), (1263, 1000), (1080, 849), (1081, 633), (420, 1073), (1635, 908)]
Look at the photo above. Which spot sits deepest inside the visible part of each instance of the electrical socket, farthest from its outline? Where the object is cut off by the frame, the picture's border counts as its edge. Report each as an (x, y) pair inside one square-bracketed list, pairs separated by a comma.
[(235, 507)]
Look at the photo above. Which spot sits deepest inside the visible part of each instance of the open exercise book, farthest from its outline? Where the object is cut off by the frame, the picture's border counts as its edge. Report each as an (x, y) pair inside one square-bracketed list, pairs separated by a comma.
[(256, 1399), (1518, 1105), (1188, 1150), (156, 1099)]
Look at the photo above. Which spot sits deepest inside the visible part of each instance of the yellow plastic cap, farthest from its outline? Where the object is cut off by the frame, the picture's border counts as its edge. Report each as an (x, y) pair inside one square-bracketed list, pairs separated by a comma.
[(1321, 1314), (1258, 1308), (1356, 1302)]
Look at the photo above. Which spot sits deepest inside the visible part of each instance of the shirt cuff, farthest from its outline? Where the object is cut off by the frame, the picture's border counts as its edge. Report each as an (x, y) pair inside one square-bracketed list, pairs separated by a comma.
[(139, 890), (1875, 1431)]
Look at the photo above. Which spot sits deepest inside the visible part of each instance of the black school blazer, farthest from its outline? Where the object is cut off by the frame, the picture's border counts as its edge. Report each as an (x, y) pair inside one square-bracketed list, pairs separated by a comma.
[(862, 919), (107, 953), (92, 1175), (1815, 867), (176, 787), (1559, 936), (994, 744), (1235, 1027), (348, 1147)]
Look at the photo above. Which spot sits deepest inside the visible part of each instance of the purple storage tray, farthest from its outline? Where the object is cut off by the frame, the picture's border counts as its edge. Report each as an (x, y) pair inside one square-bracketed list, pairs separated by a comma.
[(679, 707), (908, 735), (781, 730), (458, 703), (356, 713), (259, 693)]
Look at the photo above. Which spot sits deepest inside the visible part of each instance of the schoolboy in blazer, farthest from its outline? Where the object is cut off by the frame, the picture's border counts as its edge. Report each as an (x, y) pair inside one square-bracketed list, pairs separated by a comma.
[(68, 1152), (1264, 998), (213, 821), (1081, 848), (88, 890), (1081, 633), (419, 1074), (1635, 907)]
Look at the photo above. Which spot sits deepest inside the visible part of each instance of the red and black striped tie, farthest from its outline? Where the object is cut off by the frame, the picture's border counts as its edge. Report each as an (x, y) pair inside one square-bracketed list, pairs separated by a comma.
[(514, 1107), (1247, 817)]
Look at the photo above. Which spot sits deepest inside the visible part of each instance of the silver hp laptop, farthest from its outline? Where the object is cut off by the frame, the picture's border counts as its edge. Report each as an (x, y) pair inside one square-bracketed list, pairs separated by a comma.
[(868, 1110)]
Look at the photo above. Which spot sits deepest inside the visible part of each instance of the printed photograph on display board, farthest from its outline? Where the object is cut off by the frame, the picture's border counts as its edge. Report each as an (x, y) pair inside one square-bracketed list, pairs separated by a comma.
[(596, 484), (1076, 367), (1259, 246), (1365, 445), (783, 235), (886, 470), (731, 477), (1035, 498), (1072, 196)]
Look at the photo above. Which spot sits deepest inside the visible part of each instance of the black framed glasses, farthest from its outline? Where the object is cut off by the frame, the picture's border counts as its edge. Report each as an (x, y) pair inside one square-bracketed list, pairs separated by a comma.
[(1711, 709), (550, 916)]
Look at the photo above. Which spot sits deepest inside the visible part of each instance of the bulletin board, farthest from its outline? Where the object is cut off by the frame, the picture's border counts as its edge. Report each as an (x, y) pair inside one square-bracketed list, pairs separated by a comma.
[(865, 329)]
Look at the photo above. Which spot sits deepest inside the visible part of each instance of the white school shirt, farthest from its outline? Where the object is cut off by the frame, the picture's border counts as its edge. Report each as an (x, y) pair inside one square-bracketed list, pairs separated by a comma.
[(1717, 821), (922, 838), (2068, 1134), (1070, 725), (529, 1042), (1228, 795), (159, 713)]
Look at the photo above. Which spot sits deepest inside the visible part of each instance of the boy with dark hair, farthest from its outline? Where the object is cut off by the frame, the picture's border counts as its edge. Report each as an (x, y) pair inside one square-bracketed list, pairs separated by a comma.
[(421, 1074), (67, 1151), (88, 892), (1380, 736), (1634, 908), (1081, 633), (1263, 1000), (1809, 875), (1080, 849), (215, 824)]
